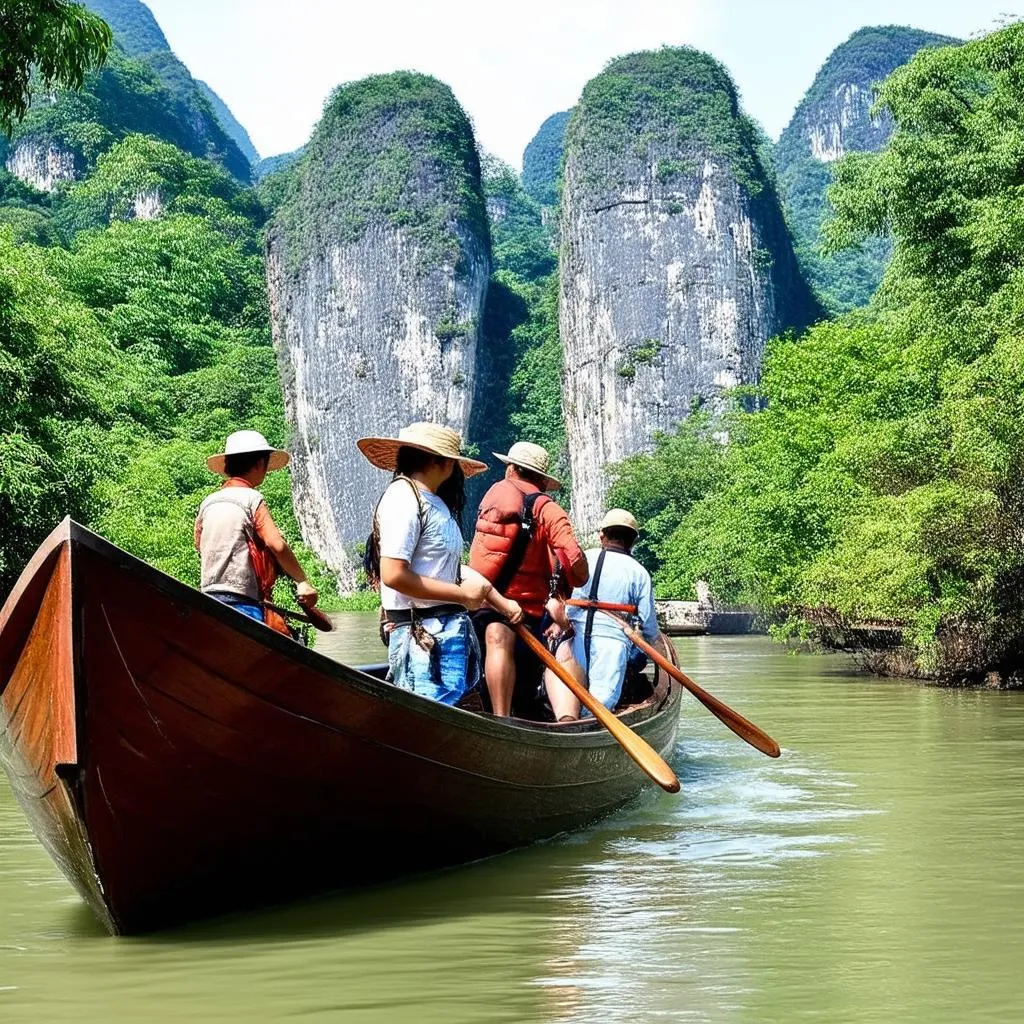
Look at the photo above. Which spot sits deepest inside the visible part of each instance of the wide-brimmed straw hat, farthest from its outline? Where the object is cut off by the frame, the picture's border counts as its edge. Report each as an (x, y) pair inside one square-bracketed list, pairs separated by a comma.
[(533, 457), (619, 517), (382, 452), (242, 442)]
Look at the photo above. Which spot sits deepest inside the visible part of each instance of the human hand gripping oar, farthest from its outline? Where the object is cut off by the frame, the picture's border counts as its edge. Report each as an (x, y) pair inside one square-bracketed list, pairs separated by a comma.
[(743, 727), (638, 748)]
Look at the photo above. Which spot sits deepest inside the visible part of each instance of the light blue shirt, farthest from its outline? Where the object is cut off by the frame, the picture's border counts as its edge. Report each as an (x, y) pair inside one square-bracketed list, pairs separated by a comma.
[(623, 581)]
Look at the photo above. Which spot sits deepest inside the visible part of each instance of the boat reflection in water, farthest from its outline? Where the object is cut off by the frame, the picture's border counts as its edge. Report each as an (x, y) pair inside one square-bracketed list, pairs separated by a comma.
[(179, 760)]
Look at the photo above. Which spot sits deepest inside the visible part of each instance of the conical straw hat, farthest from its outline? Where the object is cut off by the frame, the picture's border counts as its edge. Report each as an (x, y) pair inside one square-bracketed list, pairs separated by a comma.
[(382, 452), (242, 442), (533, 457)]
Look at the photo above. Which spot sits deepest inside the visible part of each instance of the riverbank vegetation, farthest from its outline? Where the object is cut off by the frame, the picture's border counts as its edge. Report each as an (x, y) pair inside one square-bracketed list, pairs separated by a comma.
[(881, 478)]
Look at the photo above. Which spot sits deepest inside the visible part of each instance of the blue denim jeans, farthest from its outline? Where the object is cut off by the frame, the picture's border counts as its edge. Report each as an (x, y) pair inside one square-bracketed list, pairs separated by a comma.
[(240, 604), (448, 671)]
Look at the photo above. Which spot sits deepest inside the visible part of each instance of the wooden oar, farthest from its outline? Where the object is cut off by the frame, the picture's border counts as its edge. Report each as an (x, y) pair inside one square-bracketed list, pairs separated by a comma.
[(313, 617), (638, 748), (744, 728), (604, 606)]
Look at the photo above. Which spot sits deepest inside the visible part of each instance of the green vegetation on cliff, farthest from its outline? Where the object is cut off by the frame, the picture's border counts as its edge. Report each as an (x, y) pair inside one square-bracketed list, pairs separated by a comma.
[(884, 477), (542, 160), (389, 150), (849, 278), (676, 104)]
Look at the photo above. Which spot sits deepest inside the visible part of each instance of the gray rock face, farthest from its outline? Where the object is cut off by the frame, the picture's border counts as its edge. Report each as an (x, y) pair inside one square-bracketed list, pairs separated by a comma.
[(666, 299), (42, 163), (829, 126), (376, 325), (367, 343), (674, 274)]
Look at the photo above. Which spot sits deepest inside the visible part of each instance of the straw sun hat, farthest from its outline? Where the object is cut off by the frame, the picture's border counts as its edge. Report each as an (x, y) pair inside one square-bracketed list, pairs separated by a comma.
[(619, 517), (529, 456), (243, 441), (382, 452)]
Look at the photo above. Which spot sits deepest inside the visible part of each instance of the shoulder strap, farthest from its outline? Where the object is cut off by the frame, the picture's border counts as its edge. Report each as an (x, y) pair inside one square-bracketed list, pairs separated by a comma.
[(516, 554), (588, 628)]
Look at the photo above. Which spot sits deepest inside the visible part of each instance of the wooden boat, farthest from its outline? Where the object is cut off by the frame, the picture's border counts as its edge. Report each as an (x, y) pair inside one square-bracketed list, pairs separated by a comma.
[(179, 760)]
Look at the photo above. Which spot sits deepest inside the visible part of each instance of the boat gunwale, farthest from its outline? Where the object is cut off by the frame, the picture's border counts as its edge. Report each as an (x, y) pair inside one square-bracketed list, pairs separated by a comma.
[(665, 698)]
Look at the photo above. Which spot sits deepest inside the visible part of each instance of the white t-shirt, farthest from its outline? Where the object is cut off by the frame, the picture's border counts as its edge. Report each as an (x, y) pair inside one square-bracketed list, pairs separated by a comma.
[(435, 551)]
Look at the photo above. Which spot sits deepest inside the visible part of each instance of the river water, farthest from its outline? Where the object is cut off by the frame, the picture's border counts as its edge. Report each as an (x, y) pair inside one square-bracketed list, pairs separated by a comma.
[(875, 872)]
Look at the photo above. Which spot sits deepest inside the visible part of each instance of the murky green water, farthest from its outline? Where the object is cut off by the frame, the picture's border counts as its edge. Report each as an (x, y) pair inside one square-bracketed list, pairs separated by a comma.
[(874, 873)]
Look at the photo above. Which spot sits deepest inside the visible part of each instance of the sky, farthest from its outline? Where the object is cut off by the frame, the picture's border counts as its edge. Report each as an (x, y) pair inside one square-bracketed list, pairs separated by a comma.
[(511, 65)]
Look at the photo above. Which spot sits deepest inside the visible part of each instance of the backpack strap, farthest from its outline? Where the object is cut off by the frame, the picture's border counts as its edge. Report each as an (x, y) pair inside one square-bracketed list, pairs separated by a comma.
[(588, 628), (527, 521), (371, 562)]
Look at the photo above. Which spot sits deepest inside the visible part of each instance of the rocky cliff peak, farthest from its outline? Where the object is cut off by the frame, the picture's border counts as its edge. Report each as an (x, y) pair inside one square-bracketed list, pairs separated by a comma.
[(377, 266), (676, 266), (835, 118)]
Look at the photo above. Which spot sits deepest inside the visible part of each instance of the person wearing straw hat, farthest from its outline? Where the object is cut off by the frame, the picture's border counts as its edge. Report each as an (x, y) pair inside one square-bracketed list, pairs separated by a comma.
[(235, 533), (599, 645), (415, 550), (523, 543)]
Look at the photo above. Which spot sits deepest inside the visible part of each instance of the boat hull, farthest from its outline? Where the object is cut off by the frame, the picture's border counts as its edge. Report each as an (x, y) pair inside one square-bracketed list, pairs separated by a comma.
[(179, 760)]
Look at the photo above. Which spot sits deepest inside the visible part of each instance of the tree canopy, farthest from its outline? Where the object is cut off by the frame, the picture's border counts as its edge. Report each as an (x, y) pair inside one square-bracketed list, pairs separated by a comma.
[(58, 40)]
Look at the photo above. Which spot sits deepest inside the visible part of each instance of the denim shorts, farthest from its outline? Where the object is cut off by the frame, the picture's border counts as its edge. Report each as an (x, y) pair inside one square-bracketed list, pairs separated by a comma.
[(448, 671), (241, 604)]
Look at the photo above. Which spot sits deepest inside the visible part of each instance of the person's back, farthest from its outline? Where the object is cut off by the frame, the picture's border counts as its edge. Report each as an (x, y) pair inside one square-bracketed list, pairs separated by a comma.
[(240, 548), (599, 645), (226, 522), (522, 538)]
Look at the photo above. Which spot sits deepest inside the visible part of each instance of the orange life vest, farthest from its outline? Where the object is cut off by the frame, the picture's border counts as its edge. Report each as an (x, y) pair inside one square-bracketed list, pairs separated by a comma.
[(498, 524)]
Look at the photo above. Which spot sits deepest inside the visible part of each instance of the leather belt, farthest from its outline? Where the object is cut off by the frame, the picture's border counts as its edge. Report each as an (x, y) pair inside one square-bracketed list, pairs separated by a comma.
[(403, 616)]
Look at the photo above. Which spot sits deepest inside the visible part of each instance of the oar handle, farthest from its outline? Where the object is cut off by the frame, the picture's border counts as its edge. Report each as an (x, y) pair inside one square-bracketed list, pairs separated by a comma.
[(602, 606), (743, 727), (646, 757), (313, 617)]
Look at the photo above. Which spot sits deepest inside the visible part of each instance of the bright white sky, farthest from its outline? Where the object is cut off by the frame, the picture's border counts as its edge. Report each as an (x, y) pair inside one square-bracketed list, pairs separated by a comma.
[(513, 64)]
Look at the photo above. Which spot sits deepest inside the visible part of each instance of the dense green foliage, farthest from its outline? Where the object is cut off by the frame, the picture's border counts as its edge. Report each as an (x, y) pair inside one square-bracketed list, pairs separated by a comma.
[(128, 95), (394, 149), (883, 477), (56, 41), (676, 103), (139, 35), (542, 160), (129, 355), (845, 279)]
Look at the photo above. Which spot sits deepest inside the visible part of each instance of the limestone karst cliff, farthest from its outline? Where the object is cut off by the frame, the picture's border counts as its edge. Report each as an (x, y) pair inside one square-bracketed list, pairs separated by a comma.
[(833, 119), (377, 269), (676, 266)]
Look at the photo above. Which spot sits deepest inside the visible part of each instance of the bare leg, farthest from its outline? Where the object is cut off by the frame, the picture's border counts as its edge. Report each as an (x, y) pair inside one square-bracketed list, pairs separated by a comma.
[(563, 703), (500, 667)]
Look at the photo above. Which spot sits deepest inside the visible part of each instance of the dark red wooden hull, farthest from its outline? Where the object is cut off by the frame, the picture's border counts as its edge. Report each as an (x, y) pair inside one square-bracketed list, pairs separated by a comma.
[(179, 760)]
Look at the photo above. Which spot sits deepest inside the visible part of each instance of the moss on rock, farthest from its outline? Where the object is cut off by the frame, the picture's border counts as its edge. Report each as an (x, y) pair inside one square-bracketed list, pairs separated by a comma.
[(395, 150)]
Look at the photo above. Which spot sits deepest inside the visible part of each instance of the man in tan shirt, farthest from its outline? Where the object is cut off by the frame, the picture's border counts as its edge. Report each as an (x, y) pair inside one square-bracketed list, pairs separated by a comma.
[(235, 533)]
